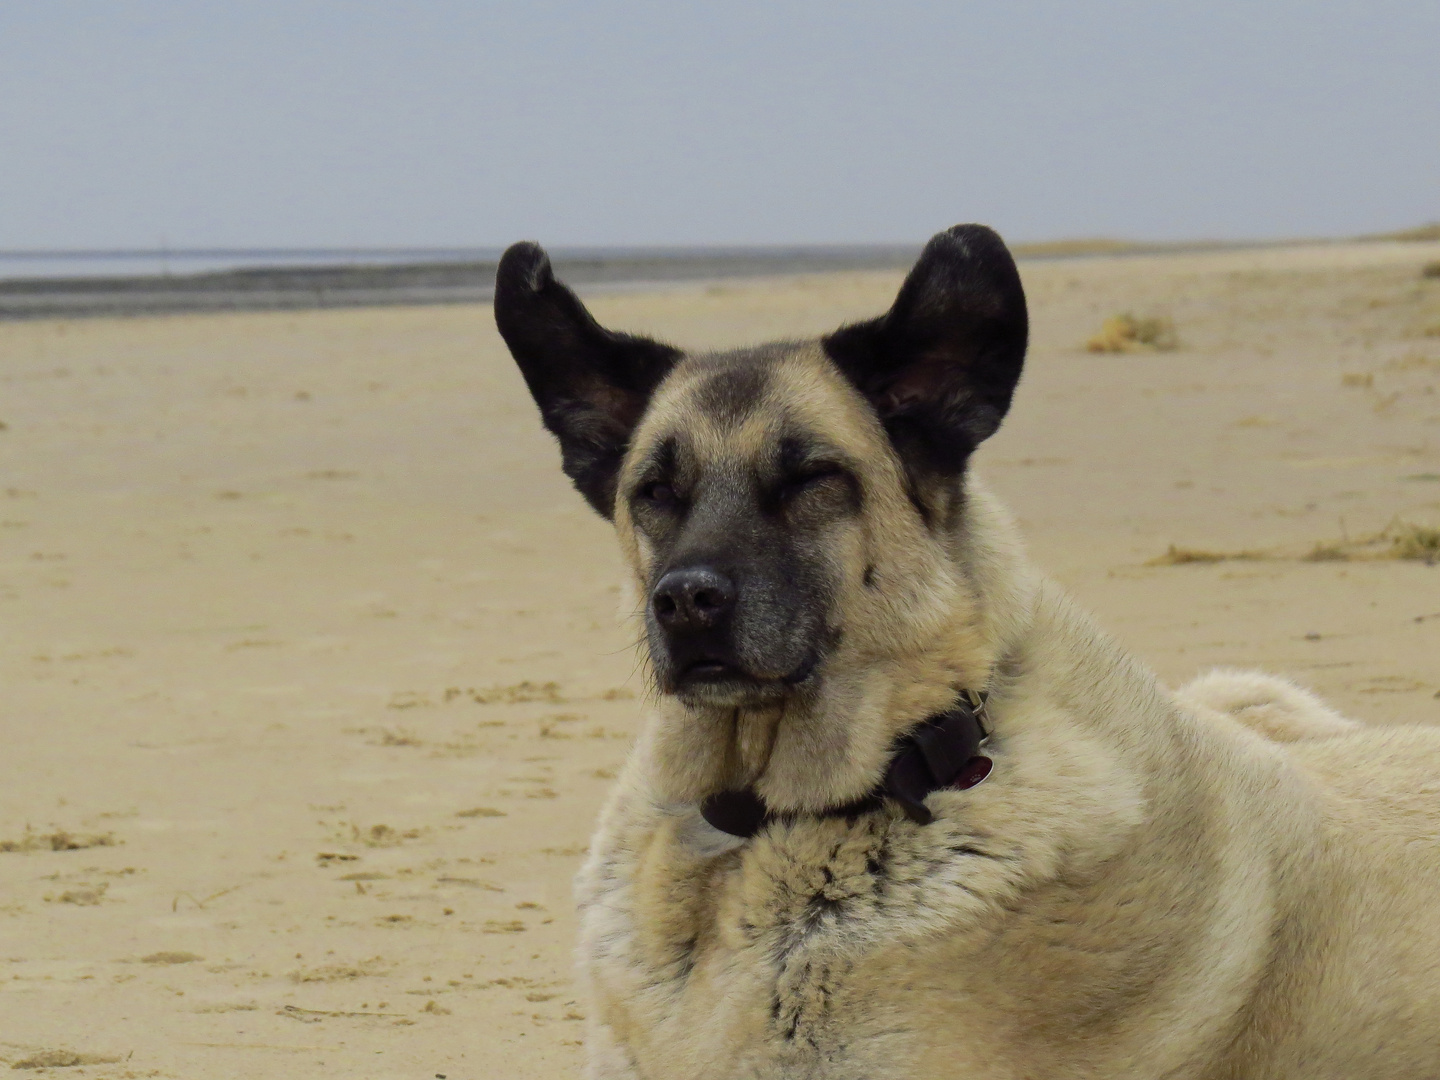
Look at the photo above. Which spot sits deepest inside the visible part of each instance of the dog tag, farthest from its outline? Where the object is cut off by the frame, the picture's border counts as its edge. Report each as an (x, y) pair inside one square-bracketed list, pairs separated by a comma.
[(973, 772)]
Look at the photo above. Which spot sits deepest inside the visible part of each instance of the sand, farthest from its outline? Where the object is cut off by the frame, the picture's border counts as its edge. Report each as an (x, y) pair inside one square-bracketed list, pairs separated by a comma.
[(314, 669)]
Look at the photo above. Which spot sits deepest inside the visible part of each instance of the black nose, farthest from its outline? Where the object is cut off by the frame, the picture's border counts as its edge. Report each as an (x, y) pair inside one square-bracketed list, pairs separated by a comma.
[(696, 598)]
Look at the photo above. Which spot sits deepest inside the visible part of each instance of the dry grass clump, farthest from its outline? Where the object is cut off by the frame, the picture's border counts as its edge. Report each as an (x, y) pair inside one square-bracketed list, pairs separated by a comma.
[(399, 738), (495, 695), (1179, 556), (1431, 269), (85, 896), (1415, 542), (517, 694), (1398, 540), (1328, 551), (172, 956), (1128, 333), (59, 840), (383, 835), (62, 1059), (327, 973)]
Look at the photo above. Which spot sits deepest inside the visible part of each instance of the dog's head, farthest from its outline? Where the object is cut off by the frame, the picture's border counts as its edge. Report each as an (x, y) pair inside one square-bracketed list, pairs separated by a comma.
[(789, 511)]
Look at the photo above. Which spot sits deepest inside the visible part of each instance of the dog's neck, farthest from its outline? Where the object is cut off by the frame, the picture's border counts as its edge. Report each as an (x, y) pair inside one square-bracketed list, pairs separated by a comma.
[(943, 751)]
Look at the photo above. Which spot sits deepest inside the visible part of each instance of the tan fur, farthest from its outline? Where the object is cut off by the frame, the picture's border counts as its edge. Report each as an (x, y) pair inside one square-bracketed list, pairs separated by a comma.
[(1274, 707), (1232, 881)]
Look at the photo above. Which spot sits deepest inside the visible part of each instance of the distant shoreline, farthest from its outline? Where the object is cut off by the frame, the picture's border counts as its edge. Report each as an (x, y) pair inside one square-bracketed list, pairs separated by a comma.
[(307, 279), (338, 278)]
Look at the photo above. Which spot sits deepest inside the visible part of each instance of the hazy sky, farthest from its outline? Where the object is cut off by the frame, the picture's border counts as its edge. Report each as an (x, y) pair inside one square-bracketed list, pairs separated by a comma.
[(348, 122)]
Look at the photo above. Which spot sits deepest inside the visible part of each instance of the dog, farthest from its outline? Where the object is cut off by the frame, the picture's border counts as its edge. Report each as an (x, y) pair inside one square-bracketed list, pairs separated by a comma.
[(800, 873)]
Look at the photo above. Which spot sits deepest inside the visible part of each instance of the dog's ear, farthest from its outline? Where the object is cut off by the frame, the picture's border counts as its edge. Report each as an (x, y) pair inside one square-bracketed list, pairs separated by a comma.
[(941, 365), (592, 385)]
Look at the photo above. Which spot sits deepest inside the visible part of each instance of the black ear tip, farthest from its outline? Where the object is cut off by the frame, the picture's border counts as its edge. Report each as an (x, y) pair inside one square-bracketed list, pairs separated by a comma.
[(968, 242), (524, 267)]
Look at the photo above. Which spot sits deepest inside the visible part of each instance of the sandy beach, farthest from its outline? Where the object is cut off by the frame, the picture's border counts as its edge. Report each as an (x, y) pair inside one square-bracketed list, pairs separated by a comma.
[(315, 671)]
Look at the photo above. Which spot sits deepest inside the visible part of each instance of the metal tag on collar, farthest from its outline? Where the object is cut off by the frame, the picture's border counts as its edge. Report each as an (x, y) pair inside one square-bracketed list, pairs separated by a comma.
[(976, 771)]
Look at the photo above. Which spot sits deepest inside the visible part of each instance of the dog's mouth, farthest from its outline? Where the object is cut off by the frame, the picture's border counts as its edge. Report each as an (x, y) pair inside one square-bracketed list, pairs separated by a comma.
[(710, 669), (720, 680)]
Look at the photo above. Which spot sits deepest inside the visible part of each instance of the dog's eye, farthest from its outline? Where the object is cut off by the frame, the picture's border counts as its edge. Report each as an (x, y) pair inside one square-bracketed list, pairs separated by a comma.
[(659, 495), (800, 483)]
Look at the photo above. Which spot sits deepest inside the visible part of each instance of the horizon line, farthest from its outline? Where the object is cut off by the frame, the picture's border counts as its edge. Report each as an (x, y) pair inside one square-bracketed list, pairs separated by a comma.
[(1086, 244)]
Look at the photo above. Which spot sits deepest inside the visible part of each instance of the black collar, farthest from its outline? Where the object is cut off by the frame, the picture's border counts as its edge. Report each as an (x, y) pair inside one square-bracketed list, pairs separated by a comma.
[(942, 752)]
